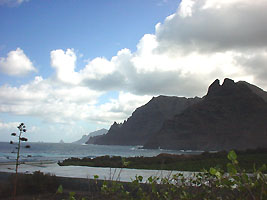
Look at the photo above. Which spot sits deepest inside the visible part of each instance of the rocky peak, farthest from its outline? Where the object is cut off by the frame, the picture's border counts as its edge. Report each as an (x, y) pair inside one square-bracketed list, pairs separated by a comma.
[(115, 126), (228, 88), (214, 87), (228, 83)]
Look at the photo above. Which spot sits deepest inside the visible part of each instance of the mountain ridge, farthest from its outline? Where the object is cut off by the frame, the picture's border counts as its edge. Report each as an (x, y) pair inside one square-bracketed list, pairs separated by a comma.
[(145, 121), (231, 115), (85, 138)]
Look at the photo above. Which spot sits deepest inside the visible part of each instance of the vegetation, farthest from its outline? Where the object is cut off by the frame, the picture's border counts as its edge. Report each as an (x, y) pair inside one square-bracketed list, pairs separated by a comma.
[(215, 183), (22, 129), (247, 160), (212, 184), (47, 186)]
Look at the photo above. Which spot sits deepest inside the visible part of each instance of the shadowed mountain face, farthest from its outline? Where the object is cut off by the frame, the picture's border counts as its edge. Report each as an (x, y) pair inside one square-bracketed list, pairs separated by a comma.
[(85, 138), (231, 116), (145, 121)]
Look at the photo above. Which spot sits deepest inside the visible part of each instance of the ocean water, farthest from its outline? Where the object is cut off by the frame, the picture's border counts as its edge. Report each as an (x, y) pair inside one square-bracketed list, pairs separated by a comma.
[(58, 151)]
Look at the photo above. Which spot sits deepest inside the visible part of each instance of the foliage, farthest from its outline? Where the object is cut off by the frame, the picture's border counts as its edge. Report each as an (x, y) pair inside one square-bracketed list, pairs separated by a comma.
[(71, 194), (31, 184), (215, 183), (175, 162), (236, 183)]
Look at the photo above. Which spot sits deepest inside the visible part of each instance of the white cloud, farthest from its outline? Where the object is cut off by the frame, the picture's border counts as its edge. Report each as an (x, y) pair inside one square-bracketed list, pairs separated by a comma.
[(255, 64), (58, 103), (6, 128), (214, 39), (9, 125), (186, 8), (97, 68), (118, 109), (48, 100), (16, 63), (210, 26), (64, 64)]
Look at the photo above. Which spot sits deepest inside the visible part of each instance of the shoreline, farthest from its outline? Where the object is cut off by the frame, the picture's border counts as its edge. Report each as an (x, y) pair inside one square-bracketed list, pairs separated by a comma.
[(170, 162), (29, 162), (126, 169), (84, 172)]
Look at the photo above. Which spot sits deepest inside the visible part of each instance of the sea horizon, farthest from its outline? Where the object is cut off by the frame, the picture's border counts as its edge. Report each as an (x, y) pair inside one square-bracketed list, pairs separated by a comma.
[(60, 151)]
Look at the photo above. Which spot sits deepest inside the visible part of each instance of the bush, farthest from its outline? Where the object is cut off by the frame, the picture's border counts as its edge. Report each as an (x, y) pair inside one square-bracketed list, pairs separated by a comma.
[(236, 183), (36, 183), (194, 163)]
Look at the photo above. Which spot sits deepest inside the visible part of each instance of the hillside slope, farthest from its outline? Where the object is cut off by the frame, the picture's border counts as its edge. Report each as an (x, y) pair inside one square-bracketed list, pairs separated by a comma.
[(85, 138), (145, 121), (231, 116)]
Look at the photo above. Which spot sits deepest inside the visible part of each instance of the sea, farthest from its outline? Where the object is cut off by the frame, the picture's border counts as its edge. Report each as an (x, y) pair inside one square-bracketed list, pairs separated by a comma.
[(61, 151)]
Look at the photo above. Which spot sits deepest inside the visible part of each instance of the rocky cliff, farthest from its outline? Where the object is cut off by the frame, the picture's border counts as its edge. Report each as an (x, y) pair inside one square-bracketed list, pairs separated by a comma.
[(231, 116), (85, 138), (145, 121)]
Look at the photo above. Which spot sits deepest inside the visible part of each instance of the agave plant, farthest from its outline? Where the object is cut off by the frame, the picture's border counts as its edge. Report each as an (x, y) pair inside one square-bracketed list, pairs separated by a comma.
[(22, 129)]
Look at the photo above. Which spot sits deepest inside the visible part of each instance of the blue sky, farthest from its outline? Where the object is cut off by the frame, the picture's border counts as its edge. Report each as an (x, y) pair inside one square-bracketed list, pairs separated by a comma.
[(92, 28), (70, 67)]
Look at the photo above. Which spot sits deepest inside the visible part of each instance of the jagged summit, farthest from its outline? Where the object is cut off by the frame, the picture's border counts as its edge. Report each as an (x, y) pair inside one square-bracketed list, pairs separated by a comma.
[(228, 83), (213, 88), (226, 88)]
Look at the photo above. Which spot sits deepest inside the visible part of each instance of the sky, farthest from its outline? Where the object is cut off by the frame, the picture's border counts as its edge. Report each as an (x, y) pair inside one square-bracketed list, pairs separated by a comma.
[(70, 67)]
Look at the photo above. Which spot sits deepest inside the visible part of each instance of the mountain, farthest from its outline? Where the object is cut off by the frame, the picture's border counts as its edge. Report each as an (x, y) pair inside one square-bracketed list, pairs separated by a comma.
[(260, 92), (85, 138), (145, 121), (231, 116), (92, 140)]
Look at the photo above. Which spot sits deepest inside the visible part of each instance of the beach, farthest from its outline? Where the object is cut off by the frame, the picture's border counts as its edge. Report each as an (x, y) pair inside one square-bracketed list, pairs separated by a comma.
[(79, 179), (117, 174)]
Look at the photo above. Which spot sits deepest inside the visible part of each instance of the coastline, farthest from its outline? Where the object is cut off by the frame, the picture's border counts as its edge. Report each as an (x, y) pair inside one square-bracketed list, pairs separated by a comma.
[(29, 162), (103, 173), (163, 165), (100, 183)]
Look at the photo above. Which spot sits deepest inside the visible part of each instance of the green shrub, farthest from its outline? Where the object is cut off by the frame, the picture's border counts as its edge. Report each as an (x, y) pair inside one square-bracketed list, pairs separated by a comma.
[(195, 163), (235, 183), (36, 183)]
